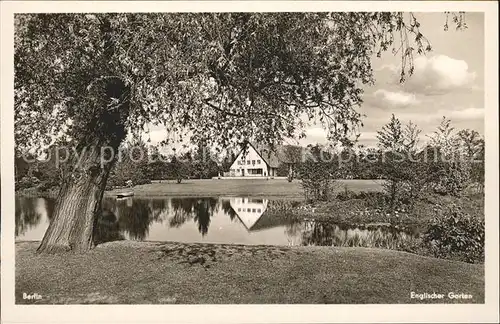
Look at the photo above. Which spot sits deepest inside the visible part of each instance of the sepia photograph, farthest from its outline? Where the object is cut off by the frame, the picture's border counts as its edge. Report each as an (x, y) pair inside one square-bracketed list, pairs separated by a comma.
[(249, 157)]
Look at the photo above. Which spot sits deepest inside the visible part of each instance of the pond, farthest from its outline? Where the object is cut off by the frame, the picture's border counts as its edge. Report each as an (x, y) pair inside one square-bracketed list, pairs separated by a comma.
[(232, 220)]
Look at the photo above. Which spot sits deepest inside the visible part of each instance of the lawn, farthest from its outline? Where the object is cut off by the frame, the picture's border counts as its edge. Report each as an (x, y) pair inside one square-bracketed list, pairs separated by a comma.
[(162, 273), (272, 188)]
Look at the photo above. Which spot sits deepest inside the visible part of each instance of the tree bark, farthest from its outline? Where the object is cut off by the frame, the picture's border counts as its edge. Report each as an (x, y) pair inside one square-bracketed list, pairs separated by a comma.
[(78, 204), (77, 207)]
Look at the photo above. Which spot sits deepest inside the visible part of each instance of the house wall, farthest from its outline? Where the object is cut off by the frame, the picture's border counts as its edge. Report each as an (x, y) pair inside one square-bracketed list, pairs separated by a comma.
[(246, 165)]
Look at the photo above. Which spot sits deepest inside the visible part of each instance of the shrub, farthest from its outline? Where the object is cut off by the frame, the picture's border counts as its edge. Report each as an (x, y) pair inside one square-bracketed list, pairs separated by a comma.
[(27, 182), (346, 194), (454, 234), (47, 185), (316, 180), (453, 179)]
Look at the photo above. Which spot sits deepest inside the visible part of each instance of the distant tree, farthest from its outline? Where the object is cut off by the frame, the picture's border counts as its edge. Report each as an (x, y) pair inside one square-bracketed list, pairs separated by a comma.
[(157, 165), (444, 139), (292, 155), (390, 141), (390, 137), (472, 145), (179, 169), (317, 173), (411, 137), (471, 142), (203, 164), (132, 164), (369, 163), (402, 166), (227, 161), (452, 170)]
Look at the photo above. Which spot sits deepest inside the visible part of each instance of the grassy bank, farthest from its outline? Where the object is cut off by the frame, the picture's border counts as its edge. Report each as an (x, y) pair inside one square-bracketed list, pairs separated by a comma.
[(369, 210), (159, 273), (273, 188)]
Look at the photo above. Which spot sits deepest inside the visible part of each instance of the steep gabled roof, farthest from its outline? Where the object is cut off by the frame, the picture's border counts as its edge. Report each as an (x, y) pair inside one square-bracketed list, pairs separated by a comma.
[(272, 158), (269, 156)]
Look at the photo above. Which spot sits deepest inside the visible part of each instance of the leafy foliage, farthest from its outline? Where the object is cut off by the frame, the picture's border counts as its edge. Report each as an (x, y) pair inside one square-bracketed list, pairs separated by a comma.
[(237, 70), (454, 167), (179, 169), (131, 165), (403, 168), (317, 175), (390, 137), (473, 146), (457, 235)]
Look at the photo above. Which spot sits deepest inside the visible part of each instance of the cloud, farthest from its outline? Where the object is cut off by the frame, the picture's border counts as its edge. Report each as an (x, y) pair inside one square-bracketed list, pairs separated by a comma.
[(383, 98), (368, 139), (466, 114), (390, 67), (439, 74), (314, 135)]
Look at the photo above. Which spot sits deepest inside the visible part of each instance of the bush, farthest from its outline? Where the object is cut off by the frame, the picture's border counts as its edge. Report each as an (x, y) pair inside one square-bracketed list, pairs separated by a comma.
[(27, 182), (138, 179), (47, 185), (316, 180), (453, 178), (454, 234), (346, 194)]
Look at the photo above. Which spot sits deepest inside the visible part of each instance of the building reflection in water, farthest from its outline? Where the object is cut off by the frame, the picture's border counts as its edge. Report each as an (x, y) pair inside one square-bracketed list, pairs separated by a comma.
[(248, 210)]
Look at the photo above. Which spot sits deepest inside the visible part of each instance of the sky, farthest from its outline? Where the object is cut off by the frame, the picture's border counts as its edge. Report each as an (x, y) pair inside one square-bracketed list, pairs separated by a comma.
[(448, 81)]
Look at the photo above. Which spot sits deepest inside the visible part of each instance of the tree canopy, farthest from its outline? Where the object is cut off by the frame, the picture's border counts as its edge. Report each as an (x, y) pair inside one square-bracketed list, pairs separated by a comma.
[(224, 77)]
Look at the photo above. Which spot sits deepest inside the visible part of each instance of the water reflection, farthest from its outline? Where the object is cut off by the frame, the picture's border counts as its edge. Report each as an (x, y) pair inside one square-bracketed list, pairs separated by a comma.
[(108, 228), (248, 210), (29, 212), (237, 220), (328, 234)]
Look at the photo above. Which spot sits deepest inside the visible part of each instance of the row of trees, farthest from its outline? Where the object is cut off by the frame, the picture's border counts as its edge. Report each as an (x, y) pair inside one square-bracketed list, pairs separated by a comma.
[(448, 163), (136, 162)]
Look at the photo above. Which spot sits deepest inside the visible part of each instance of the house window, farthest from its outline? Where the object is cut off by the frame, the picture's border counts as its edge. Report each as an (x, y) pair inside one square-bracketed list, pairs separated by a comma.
[(258, 161), (259, 210), (239, 209), (253, 162), (248, 161), (253, 210)]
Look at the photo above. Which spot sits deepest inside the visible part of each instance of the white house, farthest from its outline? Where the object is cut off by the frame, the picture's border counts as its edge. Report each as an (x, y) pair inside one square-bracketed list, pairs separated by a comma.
[(254, 162)]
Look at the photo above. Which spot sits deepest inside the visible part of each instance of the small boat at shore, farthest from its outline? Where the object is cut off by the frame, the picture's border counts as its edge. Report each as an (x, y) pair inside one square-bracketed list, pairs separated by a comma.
[(124, 194)]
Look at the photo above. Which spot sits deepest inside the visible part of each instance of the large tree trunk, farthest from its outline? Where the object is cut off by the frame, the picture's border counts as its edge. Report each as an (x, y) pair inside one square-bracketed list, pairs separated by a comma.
[(78, 204), (77, 208)]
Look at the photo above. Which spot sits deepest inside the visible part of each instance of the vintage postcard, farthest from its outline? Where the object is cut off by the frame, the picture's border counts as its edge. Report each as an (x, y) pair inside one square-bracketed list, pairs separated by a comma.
[(249, 162)]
